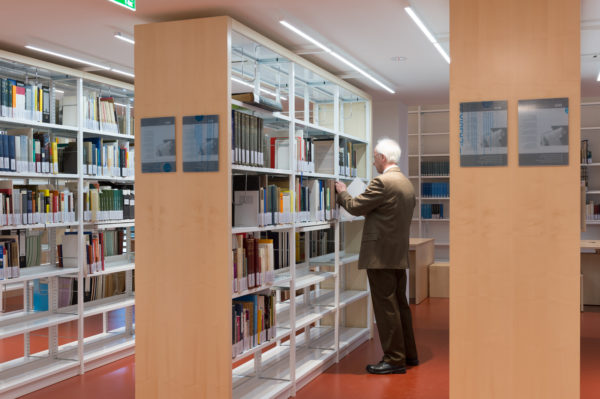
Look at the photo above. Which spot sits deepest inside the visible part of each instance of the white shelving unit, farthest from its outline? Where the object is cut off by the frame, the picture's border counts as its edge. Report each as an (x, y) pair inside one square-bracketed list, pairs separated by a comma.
[(33, 371), (314, 327), (428, 139)]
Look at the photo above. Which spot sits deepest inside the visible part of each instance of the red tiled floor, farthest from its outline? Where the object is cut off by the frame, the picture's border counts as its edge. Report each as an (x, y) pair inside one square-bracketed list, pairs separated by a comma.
[(348, 379), (429, 380)]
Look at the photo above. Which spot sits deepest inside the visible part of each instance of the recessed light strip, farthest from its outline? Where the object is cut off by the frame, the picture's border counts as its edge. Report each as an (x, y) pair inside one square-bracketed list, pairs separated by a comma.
[(427, 33), (68, 57), (120, 36), (334, 54), (261, 89)]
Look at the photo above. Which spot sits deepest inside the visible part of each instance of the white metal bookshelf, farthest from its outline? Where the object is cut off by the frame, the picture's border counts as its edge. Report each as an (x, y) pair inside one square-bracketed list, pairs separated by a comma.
[(33, 371), (311, 333), (429, 141)]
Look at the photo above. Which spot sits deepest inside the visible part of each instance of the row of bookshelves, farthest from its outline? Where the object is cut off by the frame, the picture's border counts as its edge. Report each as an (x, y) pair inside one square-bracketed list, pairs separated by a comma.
[(16, 323), (312, 353), (280, 326), (282, 172), (33, 102), (312, 128), (43, 123), (45, 271), (429, 171), (21, 375), (68, 131)]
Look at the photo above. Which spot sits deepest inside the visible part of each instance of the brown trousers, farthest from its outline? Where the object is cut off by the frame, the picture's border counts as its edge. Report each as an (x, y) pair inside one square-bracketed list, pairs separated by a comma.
[(394, 320)]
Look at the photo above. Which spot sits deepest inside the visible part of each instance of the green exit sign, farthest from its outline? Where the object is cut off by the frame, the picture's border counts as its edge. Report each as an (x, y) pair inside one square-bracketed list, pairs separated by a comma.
[(130, 4)]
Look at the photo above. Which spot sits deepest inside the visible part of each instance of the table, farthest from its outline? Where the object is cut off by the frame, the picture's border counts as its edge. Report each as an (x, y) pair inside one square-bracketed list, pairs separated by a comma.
[(420, 255)]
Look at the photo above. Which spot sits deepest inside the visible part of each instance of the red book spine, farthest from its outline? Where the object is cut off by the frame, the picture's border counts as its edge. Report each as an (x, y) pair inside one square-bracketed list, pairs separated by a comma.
[(101, 238)]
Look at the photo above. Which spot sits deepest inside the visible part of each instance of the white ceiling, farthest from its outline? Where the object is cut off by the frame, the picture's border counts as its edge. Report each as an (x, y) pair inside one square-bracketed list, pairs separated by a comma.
[(372, 33)]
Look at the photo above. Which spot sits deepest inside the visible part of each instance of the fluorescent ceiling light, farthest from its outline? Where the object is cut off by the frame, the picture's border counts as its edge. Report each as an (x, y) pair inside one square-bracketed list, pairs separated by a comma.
[(304, 35), (339, 57), (67, 57), (122, 72), (59, 91), (598, 78), (122, 105), (427, 33), (120, 36), (269, 92)]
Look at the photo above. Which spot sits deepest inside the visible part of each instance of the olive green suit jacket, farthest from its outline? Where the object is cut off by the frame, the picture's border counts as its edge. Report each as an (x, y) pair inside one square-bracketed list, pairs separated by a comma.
[(387, 204)]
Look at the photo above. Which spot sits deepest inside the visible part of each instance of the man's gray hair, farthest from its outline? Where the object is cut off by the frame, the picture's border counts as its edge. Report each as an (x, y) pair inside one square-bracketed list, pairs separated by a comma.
[(388, 148)]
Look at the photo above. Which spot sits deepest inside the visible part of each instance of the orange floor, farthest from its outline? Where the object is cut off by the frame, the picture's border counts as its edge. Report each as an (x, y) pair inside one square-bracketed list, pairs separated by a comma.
[(347, 379)]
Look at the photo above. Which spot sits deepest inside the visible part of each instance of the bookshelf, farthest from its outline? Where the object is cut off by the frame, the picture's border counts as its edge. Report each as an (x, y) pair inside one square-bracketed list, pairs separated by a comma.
[(50, 123), (428, 160), (321, 303), (590, 130)]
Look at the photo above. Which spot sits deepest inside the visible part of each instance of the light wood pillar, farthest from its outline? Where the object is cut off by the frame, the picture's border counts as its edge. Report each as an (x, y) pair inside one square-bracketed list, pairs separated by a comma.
[(183, 287), (514, 284)]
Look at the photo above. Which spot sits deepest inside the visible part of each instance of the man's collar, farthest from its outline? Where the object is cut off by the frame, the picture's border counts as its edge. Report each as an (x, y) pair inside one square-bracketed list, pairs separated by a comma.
[(389, 167)]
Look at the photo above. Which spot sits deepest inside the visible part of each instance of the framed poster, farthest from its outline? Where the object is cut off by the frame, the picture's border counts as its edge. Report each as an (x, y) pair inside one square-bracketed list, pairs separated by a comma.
[(544, 132), (484, 133), (201, 143), (158, 145)]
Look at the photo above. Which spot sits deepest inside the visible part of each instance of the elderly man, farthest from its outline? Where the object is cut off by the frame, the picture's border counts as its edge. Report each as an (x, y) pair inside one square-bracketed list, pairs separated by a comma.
[(387, 205)]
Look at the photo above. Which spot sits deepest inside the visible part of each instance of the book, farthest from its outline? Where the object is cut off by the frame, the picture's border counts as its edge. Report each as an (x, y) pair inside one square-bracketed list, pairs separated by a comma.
[(258, 101)]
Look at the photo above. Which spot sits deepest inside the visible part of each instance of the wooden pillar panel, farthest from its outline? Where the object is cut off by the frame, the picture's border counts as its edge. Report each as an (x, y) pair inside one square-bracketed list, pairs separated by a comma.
[(514, 281), (183, 219)]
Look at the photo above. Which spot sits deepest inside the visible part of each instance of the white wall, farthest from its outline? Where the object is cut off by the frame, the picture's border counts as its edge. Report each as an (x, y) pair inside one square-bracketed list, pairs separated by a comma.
[(390, 119)]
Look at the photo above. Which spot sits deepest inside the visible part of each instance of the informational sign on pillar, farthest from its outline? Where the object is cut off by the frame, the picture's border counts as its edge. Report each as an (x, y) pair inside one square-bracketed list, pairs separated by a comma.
[(130, 4)]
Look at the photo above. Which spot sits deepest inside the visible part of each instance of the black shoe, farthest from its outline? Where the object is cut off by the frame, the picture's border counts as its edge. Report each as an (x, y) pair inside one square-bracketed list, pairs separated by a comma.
[(412, 362), (385, 368)]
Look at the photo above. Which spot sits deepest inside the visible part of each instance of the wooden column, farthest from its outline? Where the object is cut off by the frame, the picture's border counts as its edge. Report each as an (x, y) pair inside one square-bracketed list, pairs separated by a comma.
[(514, 284), (183, 282)]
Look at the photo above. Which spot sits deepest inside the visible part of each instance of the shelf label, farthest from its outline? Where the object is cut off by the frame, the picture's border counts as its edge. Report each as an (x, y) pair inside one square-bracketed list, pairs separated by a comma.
[(544, 132), (201, 143), (483, 133), (158, 145)]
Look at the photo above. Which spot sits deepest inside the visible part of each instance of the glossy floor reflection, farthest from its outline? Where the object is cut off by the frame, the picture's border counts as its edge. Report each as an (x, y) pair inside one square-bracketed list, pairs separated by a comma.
[(348, 379)]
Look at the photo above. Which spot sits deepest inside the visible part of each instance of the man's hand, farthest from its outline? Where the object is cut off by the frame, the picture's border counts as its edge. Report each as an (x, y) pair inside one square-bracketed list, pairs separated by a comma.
[(340, 187)]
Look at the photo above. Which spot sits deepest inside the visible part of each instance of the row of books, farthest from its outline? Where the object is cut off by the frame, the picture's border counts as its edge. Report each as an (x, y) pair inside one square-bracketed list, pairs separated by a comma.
[(23, 249), (585, 152), (35, 204), (279, 153), (253, 319), (253, 262), (257, 203), (247, 139), (95, 287), (435, 168), (592, 211), (322, 242), (433, 190), (19, 250), (314, 155), (22, 100), (107, 158), (347, 158), (584, 176), (432, 211), (103, 203), (99, 112), (23, 150), (95, 249)]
